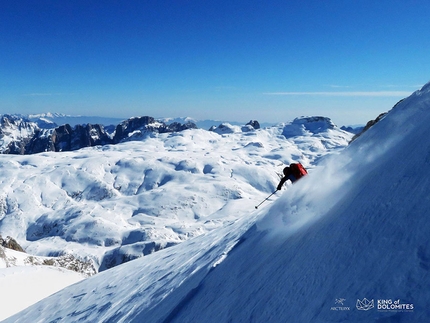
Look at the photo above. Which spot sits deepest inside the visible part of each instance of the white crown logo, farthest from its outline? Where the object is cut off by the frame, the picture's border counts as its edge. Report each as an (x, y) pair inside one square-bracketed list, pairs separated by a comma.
[(365, 304)]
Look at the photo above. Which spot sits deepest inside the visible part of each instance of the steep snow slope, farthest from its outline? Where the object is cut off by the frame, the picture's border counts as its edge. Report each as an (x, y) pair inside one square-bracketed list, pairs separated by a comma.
[(372, 242), (120, 293), (353, 230)]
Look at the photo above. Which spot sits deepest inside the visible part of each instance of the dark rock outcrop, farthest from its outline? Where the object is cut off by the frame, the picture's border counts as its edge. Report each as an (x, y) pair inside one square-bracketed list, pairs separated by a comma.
[(139, 126), (10, 243), (227, 128), (15, 133), (368, 125), (66, 138), (20, 136), (354, 130), (312, 125), (125, 128), (177, 127), (371, 123), (254, 124)]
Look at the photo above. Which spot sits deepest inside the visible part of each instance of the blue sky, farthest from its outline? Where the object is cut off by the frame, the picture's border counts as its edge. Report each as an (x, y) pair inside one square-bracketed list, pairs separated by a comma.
[(226, 60)]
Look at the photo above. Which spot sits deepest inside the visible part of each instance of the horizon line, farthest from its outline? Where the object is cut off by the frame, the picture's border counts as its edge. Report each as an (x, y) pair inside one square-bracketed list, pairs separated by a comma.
[(346, 93)]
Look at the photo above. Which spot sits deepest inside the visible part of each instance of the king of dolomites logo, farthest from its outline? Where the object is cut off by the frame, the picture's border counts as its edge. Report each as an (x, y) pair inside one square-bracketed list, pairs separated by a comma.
[(365, 304), (385, 305)]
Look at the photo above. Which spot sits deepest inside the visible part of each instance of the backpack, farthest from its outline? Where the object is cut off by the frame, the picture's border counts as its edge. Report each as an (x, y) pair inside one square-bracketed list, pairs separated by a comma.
[(298, 170)]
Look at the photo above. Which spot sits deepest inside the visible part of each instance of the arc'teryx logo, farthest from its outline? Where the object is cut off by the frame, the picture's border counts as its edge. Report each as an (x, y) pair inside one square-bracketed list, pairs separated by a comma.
[(339, 301), (339, 305), (365, 304)]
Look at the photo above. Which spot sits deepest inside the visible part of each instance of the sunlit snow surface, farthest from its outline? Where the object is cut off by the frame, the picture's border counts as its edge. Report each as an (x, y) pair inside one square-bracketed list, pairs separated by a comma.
[(114, 203), (144, 195), (355, 230), (23, 285)]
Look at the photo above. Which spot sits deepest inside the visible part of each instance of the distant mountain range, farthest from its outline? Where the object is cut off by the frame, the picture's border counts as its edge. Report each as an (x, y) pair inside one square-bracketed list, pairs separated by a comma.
[(34, 134), (58, 119), (30, 134)]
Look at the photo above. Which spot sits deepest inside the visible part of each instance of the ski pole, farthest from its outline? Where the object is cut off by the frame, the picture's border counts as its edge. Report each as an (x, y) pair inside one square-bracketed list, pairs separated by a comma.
[(265, 199)]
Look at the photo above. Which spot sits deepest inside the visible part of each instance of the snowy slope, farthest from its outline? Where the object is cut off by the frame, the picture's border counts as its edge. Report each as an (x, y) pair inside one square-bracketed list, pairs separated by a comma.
[(112, 204), (118, 202), (23, 284), (371, 243), (353, 230)]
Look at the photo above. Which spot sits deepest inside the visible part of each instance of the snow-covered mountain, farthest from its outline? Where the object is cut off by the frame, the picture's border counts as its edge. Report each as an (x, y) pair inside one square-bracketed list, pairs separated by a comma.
[(208, 123), (31, 134), (110, 204), (19, 135), (120, 193), (348, 243)]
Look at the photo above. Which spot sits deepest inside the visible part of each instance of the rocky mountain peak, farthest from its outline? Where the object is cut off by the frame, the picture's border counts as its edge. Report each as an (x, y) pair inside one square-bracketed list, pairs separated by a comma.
[(21, 136)]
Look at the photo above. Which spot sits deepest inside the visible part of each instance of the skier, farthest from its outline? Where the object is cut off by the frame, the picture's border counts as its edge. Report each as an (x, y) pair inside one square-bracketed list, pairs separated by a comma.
[(293, 173)]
